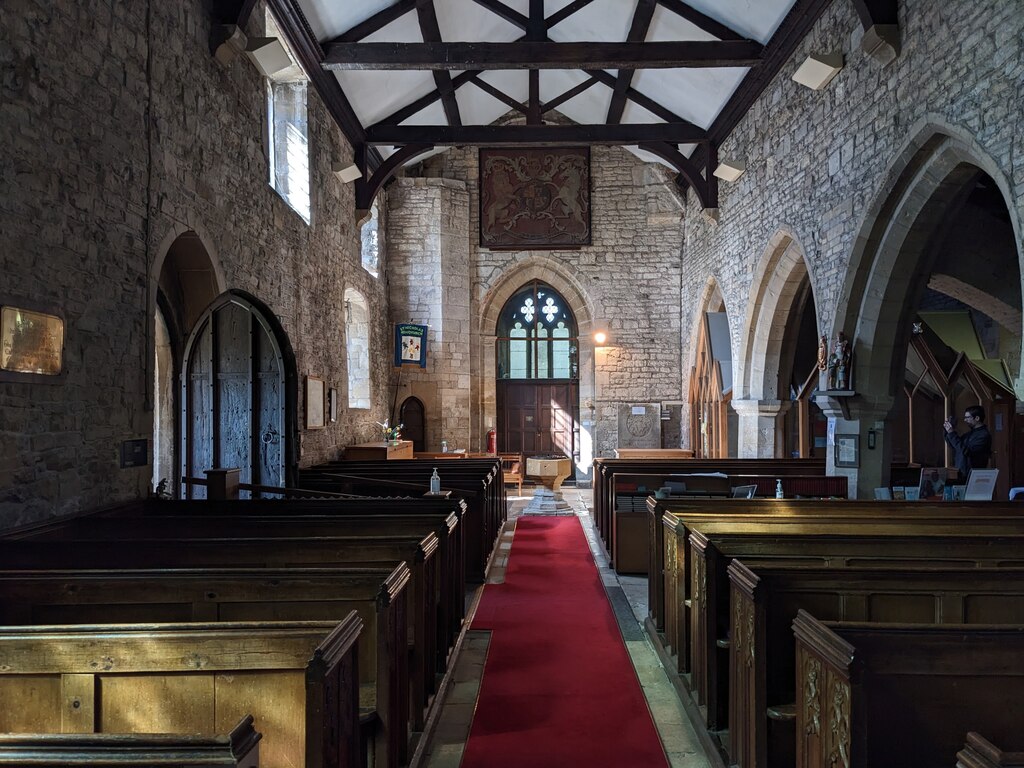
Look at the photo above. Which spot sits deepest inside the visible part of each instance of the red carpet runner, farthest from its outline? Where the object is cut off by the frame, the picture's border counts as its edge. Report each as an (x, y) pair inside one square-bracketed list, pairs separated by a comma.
[(558, 686)]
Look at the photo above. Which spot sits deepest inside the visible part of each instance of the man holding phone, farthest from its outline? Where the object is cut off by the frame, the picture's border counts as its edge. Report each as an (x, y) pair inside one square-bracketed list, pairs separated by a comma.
[(972, 449)]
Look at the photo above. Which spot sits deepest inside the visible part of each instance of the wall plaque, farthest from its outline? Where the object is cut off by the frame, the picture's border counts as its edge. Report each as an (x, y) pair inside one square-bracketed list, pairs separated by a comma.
[(30, 342)]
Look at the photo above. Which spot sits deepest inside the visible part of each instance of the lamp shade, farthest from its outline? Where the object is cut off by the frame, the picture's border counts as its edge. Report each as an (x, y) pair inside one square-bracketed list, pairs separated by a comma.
[(730, 170), (818, 70), (268, 54)]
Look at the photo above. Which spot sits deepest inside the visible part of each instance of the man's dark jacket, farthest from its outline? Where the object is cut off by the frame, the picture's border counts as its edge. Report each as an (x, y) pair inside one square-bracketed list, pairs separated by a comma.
[(972, 449)]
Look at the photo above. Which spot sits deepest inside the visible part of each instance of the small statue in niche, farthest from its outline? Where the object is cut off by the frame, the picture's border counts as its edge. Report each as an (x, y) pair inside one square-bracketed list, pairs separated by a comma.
[(823, 353), (839, 364)]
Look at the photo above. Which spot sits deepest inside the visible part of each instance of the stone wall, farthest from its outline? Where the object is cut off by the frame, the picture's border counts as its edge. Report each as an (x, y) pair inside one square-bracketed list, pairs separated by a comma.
[(821, 163), (120, 130), (627, 281)]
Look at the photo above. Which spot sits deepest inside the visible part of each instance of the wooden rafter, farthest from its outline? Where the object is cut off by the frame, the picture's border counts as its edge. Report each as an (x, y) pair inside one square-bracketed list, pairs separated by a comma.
[(378, 21), (499, 94), (871, 12), (425, 101), (236, 12), (442, 79), (700, 20), (510, 15), (561, 15), (518, 135), (543, 55), (642, 16), (689, 174), (559, 100), (367, 188)]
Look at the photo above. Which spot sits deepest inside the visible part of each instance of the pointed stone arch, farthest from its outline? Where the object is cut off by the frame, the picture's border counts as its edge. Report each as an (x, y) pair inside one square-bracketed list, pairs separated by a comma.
[(924, 182), (873, 308), (185, 277), (544, 269), (774, 295)]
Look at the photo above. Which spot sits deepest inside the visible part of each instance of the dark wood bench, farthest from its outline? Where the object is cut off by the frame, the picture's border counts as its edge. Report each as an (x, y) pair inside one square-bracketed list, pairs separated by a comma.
[(898, 695), (378, 596), (204, 519), (418, 552), (606, 471), (478, 482), (297, 679), (238, 749), (437, 510), (832, 543), (669, 595), (765, 599), (979, 752)]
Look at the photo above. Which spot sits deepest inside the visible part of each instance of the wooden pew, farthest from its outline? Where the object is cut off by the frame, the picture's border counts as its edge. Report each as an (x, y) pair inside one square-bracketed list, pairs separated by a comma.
[(833, 543), (378, 596), (669, 596), (606, 470), (978, 752), (418, 552), (203, 519), (298, 680), (478, 481), (437, 510), (765, 599), (898, 695), (239, 749)]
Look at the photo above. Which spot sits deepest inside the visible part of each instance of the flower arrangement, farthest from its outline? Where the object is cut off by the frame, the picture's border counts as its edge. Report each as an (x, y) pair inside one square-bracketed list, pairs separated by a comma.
[(389, 432)]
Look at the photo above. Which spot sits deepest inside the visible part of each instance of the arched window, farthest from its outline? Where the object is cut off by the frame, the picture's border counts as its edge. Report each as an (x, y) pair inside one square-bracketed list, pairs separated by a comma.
[(357, 348), (370, 237), (537, 336)]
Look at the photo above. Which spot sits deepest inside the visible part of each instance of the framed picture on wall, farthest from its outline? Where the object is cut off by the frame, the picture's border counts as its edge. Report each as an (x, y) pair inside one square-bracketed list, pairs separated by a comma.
[(316, 396), (847, 450)]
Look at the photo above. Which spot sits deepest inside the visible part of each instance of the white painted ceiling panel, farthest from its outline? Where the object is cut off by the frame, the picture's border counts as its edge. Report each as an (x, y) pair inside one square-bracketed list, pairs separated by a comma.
[(697, 95)]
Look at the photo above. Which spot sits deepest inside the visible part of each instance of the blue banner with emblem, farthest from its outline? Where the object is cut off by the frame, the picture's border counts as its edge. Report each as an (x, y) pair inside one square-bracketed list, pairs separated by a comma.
[(410, 345)]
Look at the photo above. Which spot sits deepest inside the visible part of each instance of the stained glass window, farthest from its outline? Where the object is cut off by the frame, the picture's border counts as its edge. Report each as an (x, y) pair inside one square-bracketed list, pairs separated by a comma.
[(537, 337)]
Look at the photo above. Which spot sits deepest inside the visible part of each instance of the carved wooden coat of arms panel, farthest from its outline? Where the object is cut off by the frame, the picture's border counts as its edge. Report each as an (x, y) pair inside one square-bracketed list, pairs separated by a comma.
[(535, 198)]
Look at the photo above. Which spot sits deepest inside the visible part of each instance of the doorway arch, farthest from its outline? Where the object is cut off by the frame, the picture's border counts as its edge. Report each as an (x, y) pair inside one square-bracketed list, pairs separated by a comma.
[(538, 374), (413, 418), (186, 280), (236, 386)]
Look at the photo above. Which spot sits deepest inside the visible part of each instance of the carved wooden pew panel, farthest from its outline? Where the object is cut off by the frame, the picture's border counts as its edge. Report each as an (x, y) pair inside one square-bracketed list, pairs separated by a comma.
[(298, 680), (894, 695), (125, 526), (238, 749), (833, 543), (670, 558), (766, 597)]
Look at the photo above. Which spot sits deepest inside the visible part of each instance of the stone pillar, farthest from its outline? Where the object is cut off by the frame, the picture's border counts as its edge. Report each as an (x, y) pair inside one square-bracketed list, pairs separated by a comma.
[(428, 268), (858, 416), (759, 421)]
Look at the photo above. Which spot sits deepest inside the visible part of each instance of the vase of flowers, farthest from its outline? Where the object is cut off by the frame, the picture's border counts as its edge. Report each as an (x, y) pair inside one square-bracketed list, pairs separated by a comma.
[(389, 433)]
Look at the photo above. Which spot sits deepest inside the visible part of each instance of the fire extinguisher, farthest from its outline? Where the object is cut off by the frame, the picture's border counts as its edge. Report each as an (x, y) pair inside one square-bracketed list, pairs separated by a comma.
[(492, 440)]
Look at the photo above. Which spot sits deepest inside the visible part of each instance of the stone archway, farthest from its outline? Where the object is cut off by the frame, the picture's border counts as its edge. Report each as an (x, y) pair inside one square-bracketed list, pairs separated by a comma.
[(185, 279), (546, 270), (884, 278), (781, 287)]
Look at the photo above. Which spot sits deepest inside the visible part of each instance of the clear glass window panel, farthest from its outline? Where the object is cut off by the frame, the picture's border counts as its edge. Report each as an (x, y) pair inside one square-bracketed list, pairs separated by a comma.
[(518, 365)]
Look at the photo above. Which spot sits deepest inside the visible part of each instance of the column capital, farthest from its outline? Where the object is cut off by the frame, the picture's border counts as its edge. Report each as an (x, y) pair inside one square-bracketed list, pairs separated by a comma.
[(754, 407)]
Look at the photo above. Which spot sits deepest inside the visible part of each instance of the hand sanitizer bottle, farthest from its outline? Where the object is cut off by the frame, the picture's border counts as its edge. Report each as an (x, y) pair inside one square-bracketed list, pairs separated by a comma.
[(778, 490), (435, 482)]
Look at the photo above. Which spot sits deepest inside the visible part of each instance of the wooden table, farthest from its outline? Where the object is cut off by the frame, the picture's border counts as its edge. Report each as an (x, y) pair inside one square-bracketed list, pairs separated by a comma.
[(379, 451)]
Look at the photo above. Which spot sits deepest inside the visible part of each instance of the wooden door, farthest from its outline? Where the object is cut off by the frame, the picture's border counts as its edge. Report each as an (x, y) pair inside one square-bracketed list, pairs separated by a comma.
[(233, 396), (412, 419), (538, 417)]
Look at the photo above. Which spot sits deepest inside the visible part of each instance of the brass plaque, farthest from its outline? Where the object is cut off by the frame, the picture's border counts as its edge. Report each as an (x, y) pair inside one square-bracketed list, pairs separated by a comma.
[(30, 342)]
